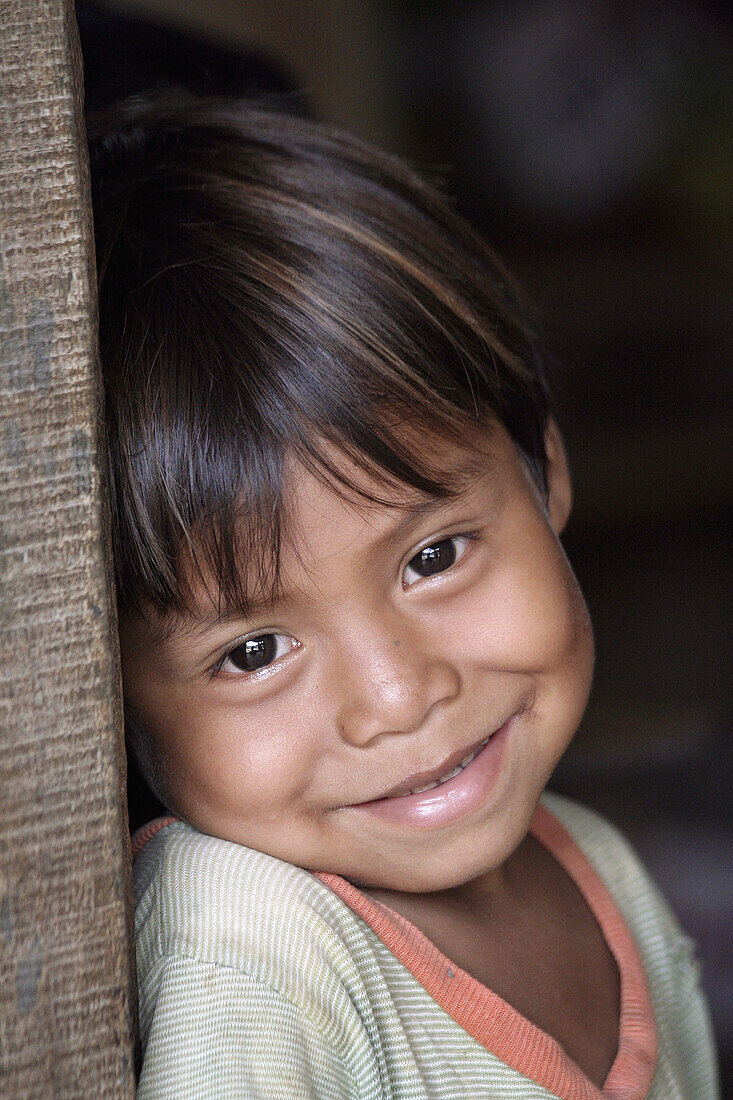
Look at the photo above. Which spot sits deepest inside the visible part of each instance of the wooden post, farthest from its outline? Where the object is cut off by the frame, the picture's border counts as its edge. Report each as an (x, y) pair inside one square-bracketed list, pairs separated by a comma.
[(66, 985)]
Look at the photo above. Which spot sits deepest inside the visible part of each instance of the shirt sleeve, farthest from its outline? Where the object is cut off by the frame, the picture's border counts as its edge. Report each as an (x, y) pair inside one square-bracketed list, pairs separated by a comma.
[(695, 1045), (217, 1032)]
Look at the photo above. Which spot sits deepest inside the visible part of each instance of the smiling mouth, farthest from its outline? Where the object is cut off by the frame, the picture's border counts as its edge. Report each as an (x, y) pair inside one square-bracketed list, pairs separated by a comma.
[(425, 781)]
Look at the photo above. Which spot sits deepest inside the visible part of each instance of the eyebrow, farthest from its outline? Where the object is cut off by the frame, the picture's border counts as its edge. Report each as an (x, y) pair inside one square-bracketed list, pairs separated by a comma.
[(413, 513), (461, 476), (195, 625)]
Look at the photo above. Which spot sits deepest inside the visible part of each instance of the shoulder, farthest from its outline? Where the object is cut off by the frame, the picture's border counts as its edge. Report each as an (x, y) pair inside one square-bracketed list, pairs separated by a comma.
[(224, 933), (246, 985), (223, 903)]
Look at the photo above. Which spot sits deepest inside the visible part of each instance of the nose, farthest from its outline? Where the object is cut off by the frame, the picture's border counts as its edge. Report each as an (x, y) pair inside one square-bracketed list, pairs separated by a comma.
[(390, 682)]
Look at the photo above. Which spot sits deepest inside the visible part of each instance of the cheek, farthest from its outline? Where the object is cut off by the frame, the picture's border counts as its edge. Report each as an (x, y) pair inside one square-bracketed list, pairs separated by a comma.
[(534, 618), (254, 764)]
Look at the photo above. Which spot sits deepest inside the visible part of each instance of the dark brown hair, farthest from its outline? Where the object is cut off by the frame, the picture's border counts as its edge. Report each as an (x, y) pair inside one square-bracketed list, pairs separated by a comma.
[(268, 285)]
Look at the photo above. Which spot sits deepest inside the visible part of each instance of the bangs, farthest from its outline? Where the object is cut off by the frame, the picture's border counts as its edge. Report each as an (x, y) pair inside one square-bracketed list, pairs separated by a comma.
[(219, 517), (273, 290), (233, 564)]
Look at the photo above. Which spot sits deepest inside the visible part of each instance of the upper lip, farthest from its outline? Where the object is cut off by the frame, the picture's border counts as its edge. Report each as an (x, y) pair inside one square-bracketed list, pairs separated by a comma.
[(422, 779)]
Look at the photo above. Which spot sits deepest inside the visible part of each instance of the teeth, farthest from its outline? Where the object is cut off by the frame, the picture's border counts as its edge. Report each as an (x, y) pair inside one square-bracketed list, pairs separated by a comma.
[(428, 787), (456, 771), (451, 775)]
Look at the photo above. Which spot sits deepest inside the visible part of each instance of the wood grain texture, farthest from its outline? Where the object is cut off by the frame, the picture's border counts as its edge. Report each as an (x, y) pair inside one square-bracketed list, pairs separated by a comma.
[(66, 987)]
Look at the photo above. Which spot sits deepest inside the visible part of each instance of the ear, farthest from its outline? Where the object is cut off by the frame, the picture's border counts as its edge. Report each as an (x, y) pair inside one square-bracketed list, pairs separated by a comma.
[(559, 487)]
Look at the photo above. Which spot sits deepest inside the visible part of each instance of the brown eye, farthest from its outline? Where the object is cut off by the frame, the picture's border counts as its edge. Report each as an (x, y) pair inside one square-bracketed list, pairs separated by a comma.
[(436, 558), (255, 653)]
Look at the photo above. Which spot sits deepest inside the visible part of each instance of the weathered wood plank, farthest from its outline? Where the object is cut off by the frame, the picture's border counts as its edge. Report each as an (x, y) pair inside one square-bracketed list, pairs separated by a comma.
[(66, 988)]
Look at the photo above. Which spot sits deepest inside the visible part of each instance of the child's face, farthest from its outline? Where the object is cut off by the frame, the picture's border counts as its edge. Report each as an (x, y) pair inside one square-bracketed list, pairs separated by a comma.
[(404, 641)]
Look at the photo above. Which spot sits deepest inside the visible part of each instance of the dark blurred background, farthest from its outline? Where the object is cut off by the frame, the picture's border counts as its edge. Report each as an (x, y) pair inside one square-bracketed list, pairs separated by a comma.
[(593, 143)]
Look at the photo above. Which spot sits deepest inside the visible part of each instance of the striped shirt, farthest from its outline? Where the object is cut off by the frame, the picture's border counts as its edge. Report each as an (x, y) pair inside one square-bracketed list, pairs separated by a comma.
[(258, 979)]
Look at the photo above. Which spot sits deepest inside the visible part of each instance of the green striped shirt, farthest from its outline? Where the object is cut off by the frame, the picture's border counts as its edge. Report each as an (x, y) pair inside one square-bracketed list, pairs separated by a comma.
[(256, 979)]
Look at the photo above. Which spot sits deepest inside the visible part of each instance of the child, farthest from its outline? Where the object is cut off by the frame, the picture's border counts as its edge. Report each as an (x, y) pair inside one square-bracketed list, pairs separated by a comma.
[(353, 650)]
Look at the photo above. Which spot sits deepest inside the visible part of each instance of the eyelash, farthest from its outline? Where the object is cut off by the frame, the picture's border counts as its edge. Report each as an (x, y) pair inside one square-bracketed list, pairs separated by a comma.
[(468, 536)]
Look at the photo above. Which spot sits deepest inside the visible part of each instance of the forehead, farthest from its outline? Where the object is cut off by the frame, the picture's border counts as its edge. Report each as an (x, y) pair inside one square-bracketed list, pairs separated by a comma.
[(326, 520), (322, 494)]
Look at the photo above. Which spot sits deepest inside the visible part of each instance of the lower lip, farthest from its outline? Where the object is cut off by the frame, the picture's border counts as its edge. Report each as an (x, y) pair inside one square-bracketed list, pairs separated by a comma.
[(459, 796)]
